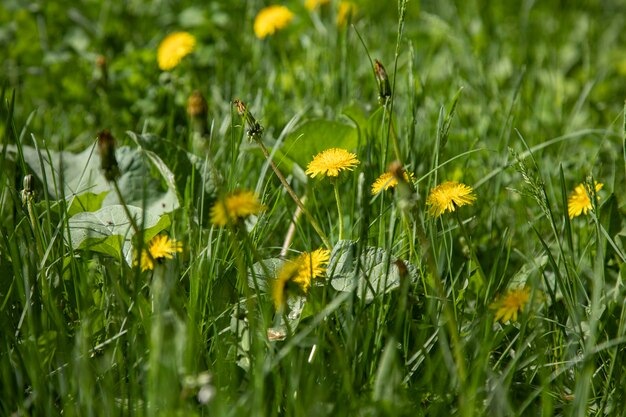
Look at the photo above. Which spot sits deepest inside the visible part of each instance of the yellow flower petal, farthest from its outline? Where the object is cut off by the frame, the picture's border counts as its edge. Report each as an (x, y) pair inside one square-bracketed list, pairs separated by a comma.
[(270, 20), (331, 162), (578, 201), (174, 48), (235, 207), (299, 271), (314, 4), (448, 196), (346, 12), (160, 247), (387, 181), (510, 304)]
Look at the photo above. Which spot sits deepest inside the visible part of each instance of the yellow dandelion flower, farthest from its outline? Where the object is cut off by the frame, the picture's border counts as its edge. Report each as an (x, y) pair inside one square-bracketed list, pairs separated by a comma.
[(174, 48), (285, 276), (234, 207), (387, 181), (160, 247), (270, 20), (578, 201), (311, 266), (299, 273), (330, 162), (510, 304), (346, 12), (314, 4), (448, 196)]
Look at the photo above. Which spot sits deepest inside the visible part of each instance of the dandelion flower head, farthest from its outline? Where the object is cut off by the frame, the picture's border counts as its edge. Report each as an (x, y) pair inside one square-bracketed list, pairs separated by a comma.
[(347, 10), (270, 20), (448, 196), (578, 201), (174, 48), (387, 181), (160, 247), (314, 4), (331, 162), (299, 271), (510, 304), (234, 207)]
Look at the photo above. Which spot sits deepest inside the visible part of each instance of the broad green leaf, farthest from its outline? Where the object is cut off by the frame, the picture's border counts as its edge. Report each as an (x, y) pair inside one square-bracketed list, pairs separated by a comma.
[(85, 202), (178, 167), (314, 136), (265, 273), (80, 173), (521, 277), (109, 230), (375, 275)]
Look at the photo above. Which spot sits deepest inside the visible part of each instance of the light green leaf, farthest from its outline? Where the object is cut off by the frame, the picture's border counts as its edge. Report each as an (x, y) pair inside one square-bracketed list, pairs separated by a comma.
[(314, 136), (109, 230), (375, 275)]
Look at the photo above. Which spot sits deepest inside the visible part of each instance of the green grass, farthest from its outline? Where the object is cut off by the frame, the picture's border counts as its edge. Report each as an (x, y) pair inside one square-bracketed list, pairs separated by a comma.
[(522, 101)]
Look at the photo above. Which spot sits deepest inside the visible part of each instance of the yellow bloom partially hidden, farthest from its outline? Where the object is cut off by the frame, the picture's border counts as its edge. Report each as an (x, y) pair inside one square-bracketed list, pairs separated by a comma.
[(270, 20), (174, 48), (299, 273), (578, 201), (448, 196), (331, 162), (314, 4), (387, 181), (234, 207), (160, 247), (346, 12), (510, 304)]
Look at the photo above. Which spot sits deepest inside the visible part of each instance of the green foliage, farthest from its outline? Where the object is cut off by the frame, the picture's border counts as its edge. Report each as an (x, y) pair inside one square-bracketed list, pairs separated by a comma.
[(521, 101)]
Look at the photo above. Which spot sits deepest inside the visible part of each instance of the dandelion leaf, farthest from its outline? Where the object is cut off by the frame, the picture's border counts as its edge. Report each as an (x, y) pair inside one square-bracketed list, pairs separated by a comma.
[(314, 136), (79, 174), (374, 274), (109, 231)]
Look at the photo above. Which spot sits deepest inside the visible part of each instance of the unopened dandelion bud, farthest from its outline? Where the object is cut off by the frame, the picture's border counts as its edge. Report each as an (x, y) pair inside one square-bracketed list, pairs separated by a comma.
[(102, 72), (384, 89), (254, 128), (403, 271), (396, 170), (28, 191), (108, 162), (197, 109), (405, 197), (28, 184)]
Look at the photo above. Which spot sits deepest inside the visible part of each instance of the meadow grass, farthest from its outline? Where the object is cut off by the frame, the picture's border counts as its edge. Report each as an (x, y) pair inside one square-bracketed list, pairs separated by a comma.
[(466, 288)]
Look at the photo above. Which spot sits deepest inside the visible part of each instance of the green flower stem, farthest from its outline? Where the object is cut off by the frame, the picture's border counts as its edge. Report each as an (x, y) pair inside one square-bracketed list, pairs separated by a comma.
[(392, 131), (339, 211), (295, 198), (132, 221), (473, 257), (36, 230)]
